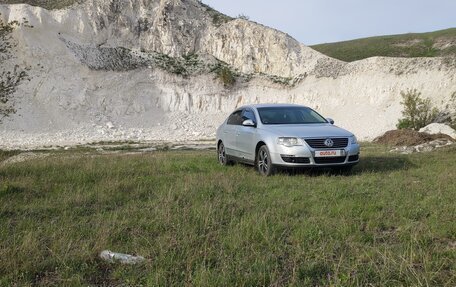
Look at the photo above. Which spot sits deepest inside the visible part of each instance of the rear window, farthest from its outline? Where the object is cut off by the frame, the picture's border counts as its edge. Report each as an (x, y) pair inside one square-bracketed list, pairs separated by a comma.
[(289, 115)]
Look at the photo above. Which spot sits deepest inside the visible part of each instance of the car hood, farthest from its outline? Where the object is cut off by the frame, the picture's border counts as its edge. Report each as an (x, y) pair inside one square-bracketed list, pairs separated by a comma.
[(308, 130)]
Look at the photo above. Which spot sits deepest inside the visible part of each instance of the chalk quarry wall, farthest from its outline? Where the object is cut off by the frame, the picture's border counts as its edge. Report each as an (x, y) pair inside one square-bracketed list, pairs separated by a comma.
[(120, 70)]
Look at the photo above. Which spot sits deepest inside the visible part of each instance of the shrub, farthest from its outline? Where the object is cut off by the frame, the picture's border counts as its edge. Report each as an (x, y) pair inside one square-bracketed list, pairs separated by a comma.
[(218, 18), (9, 79), (227, 76), (404, 124), (417, 112), (451, 107), (243, 17)]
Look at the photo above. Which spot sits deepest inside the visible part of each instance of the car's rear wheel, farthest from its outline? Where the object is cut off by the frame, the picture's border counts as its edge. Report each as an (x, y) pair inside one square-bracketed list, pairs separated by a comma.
[(263, 162), (222, 156)]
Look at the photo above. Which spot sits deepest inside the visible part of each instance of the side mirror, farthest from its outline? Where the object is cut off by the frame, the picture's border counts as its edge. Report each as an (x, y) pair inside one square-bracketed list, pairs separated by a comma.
[(331, 121), (248, 123)]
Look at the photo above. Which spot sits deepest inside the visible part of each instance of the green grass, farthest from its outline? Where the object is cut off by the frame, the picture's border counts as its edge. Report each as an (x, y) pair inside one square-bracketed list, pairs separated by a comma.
[(6, 154), (390, 223), (406, 45)]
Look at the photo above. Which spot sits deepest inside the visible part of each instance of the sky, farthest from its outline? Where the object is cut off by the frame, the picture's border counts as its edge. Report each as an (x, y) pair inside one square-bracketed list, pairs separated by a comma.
[(325, 21)]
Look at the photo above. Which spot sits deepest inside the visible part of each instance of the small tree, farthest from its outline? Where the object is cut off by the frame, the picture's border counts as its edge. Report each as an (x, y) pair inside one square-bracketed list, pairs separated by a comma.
[(227, 76), (8, 79), (417, 112), (451, 107), (8, 83)]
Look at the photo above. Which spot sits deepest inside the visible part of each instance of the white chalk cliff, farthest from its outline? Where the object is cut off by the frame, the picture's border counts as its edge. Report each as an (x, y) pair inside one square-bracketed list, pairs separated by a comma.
[(152, 70)]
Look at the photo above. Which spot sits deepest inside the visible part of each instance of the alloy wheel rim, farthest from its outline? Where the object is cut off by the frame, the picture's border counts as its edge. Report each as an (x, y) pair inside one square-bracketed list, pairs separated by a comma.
[(263, 163), (222, 156)]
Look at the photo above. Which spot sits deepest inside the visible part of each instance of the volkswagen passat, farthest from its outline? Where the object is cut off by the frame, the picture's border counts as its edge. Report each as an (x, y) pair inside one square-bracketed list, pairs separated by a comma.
[(278, 135)]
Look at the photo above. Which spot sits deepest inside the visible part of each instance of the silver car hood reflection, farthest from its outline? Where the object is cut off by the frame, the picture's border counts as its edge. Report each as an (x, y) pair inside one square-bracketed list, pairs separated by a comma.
[(307, 130)]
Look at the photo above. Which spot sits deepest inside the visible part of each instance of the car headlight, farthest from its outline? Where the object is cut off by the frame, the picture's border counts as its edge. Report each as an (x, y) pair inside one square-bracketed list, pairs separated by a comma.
[(289, 142), (353, 140)]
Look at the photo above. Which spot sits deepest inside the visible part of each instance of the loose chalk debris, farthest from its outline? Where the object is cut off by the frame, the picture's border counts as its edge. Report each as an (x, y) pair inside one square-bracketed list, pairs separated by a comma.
[(121, 258)]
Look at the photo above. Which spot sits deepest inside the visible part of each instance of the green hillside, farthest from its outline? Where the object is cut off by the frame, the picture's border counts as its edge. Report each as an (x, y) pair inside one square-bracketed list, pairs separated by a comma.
[(433, 44)]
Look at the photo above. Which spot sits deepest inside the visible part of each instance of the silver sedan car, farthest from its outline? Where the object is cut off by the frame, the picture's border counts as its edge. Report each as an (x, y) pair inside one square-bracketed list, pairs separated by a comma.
[(283, 135)]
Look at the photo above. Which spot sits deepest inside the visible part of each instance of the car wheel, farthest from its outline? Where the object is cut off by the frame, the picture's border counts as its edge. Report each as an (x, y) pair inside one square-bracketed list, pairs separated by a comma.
[(222, 157), (263, 163)]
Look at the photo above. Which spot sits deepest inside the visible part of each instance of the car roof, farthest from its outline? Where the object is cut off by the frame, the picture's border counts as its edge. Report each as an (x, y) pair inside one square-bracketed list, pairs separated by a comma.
[(271, 106)]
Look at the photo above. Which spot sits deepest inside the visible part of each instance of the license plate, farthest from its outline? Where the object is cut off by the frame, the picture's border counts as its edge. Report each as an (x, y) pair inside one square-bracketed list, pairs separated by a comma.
[(329, 153)]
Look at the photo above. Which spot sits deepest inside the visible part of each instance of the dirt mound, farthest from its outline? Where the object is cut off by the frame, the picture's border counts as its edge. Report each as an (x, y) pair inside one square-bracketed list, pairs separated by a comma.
[(408, 138)]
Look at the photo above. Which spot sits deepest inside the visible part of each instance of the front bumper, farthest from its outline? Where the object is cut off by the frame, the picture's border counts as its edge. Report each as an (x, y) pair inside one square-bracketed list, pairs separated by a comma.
[(304, 156)]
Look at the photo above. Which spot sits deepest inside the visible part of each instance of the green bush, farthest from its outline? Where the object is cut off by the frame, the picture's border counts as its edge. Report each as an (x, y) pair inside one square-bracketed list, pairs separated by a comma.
[(218, 18), (404, 124), (243, 17), (417, 112), (227, 76), (9, 79)]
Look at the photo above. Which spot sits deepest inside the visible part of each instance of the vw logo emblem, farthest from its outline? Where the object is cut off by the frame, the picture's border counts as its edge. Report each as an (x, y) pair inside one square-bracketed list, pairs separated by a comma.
[(329, 143)]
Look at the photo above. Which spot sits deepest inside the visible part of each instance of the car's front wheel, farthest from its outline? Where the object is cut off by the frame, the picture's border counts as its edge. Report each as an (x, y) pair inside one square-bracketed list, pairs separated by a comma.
[(263, 162), (222, 157)]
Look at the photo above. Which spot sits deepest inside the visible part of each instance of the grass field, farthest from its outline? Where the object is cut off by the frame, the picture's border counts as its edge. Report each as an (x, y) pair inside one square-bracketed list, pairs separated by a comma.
[(438, 43), (390, 223)]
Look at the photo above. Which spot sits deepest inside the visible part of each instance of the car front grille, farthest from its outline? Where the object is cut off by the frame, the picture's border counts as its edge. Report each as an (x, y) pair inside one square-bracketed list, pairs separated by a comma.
[(320, 143), (325, 160)]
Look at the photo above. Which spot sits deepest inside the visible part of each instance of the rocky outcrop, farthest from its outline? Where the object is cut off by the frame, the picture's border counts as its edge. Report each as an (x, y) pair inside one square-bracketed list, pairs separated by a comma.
[(173, 69), (175, 28)]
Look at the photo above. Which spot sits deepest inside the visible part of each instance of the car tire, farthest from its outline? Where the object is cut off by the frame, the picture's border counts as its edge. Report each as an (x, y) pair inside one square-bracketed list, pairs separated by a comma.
[(263, 162), (222, 156)]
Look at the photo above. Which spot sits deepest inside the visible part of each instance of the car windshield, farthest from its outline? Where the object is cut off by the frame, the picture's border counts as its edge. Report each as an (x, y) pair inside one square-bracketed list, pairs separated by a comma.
[(289, 116)]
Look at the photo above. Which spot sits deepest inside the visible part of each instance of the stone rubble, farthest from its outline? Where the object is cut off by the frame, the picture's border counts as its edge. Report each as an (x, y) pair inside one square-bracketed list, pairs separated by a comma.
[(425, 147)]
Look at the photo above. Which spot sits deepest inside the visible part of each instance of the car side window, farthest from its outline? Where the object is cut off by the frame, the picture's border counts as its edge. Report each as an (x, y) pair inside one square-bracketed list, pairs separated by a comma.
[(235, 118), (248, 115)]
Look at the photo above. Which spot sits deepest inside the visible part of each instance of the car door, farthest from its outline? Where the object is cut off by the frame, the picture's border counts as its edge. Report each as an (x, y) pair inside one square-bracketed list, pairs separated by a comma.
[(246, 136), (230, 133)]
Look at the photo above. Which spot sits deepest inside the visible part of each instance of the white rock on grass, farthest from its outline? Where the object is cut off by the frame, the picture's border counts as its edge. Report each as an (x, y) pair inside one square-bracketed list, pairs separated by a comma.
[(436, 128), (114, 257)]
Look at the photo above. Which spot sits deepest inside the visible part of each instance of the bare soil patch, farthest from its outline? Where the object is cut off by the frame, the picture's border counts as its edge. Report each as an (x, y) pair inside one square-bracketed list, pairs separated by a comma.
[(408, 138)]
